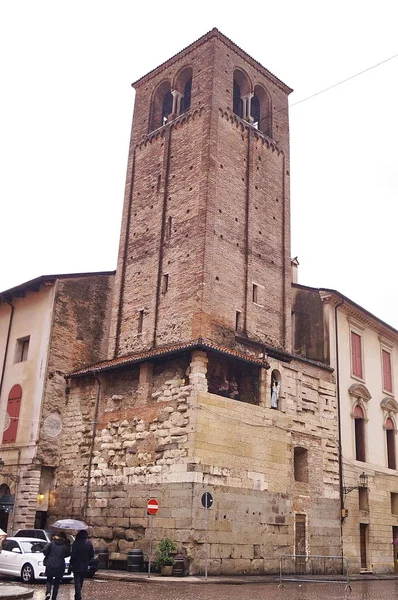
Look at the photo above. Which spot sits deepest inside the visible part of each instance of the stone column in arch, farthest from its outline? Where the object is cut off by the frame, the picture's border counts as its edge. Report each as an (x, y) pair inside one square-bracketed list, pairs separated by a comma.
[(198, 371)]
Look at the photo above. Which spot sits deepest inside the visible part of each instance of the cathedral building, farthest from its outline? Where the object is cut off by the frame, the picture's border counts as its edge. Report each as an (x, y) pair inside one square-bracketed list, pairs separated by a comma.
[(198, 389)]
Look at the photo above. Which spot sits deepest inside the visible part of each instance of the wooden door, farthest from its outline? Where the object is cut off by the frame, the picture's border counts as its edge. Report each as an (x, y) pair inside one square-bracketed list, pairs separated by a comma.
[(363, 543)]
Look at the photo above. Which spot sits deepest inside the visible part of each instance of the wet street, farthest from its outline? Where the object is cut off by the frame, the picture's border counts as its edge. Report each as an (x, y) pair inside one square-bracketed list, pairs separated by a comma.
[(98, 589)]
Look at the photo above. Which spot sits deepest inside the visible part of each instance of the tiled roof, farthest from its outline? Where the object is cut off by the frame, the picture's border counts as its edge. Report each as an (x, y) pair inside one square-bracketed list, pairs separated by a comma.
[(124, 361), (210, 34)]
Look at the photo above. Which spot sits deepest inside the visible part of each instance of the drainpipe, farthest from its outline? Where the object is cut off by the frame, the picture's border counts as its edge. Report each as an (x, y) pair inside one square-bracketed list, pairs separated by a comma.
[(7, 342), (336, 333), (90, 460)]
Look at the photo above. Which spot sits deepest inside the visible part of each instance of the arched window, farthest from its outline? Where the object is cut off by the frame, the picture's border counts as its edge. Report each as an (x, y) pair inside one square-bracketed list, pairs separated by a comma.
[(237, 102), (186, 101), (359, 421), (162, 105), (261, 110), (182, 91), (275, 389), (390, 438), (301, 464), (12, 416), (241, 92)]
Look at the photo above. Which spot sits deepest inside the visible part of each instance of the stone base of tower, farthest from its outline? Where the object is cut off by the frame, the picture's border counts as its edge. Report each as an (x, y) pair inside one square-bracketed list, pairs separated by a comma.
[(247, 530), (154, 429)]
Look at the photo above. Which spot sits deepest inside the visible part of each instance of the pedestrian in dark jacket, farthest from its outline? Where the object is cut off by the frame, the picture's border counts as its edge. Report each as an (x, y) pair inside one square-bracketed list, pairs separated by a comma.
[(55, 553), (82, 553)]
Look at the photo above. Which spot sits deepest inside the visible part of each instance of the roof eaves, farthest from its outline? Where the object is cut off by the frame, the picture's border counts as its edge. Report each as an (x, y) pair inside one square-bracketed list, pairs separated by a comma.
[(42, 279), (214, 33), (126, 361)]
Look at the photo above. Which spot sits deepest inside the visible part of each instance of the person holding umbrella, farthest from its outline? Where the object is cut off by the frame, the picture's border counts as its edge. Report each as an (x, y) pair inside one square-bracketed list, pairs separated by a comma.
[(82, 553), (55, 553)]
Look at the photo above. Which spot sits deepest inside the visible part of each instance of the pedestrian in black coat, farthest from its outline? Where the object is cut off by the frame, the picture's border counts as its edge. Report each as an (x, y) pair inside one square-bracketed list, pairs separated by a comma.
[(55, 553), (82, 553)]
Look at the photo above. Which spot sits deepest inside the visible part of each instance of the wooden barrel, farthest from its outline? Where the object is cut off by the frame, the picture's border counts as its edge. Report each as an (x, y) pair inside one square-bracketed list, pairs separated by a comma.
[(135, 560), (103, 557), (179, 566)]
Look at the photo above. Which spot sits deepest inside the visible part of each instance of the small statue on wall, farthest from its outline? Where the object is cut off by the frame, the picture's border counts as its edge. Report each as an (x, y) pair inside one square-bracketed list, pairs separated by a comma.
[(275, 389)]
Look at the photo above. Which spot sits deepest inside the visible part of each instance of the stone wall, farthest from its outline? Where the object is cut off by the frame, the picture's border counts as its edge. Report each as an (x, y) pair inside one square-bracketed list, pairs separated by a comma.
[(182, 441)]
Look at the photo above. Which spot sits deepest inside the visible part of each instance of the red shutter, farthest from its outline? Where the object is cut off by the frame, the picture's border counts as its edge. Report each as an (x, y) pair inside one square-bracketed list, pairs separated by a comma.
[(387, 378), (356, 354), (13, 407)]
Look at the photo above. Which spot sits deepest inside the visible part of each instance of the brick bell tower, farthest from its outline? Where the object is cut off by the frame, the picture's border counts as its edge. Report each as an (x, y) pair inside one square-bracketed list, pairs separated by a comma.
[(205, 237)]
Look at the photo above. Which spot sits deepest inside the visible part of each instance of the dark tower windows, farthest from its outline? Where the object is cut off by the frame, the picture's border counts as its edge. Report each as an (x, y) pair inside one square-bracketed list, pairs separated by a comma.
[(241, 98), (182, 91), (261, 110), (167, 107), (237, 102), (186, 101), (252, 106), (169, 102), (255, 111), (162, 105)]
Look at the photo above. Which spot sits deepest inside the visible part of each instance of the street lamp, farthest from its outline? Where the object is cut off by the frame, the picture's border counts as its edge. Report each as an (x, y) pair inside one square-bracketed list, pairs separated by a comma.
[(363, 483)]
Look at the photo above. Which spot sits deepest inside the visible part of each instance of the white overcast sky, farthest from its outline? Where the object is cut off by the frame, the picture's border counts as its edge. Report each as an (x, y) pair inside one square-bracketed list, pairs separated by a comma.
[(66, 109)]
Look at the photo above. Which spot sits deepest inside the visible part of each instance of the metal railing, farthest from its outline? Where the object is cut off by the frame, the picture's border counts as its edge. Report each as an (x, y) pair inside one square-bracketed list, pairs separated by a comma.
[(322, 569)]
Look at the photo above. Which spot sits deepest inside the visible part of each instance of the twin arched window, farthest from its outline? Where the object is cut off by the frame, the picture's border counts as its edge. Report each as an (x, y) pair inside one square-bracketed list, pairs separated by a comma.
[(171, 100), (253, 106)]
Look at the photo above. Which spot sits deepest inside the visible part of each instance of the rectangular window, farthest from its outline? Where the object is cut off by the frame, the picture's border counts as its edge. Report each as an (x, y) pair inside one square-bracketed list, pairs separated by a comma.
[(387, 375), (140, 320), (255, 293), (356, 355), (238, 316), (22, 349), (165, 284)]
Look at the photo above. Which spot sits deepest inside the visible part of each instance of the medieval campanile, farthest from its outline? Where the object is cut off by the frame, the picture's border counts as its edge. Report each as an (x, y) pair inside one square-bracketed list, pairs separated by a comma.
[(205, 243), (200, 392)]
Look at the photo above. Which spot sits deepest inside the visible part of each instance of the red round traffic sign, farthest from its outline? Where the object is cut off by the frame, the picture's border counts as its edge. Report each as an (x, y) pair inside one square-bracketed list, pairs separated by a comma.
[(152, 506)]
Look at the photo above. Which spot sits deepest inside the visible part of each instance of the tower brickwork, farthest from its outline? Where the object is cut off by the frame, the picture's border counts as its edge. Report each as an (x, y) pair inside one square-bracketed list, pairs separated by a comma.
[(200, 392), (205, 242)]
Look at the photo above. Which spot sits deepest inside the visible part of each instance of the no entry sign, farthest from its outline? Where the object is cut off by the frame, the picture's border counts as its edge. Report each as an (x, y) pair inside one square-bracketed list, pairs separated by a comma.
[(152, 506)]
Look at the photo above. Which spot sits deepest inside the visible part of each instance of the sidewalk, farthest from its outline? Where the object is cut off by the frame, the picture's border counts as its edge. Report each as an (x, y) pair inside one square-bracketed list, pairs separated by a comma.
[(114, 575), (12, 592)]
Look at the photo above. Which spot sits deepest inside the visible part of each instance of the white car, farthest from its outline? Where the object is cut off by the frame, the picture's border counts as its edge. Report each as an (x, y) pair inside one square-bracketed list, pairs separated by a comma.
[(23, 557)]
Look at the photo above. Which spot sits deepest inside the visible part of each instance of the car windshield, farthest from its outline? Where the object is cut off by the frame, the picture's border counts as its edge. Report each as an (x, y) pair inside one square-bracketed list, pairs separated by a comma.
[(32, 546)]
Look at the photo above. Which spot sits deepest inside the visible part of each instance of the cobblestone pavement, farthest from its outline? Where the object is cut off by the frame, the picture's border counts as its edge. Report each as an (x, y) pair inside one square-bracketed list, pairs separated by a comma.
[(98, 589)]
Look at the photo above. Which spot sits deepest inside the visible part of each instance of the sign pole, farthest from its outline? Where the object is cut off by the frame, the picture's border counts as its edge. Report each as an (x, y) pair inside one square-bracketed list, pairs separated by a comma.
[(207, 502), (206, 545), (152, 507), (150, 544)]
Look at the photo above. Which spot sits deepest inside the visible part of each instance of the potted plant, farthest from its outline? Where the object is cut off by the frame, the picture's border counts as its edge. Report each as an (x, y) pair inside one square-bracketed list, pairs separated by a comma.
[(164, 556)]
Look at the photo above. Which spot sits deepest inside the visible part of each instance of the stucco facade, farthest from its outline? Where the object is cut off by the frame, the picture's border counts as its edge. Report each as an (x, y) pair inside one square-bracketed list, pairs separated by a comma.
[(48, 326), (367, 382)]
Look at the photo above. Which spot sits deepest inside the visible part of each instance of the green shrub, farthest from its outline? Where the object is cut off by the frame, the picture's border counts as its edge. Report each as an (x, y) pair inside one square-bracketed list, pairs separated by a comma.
[(164, 551)]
